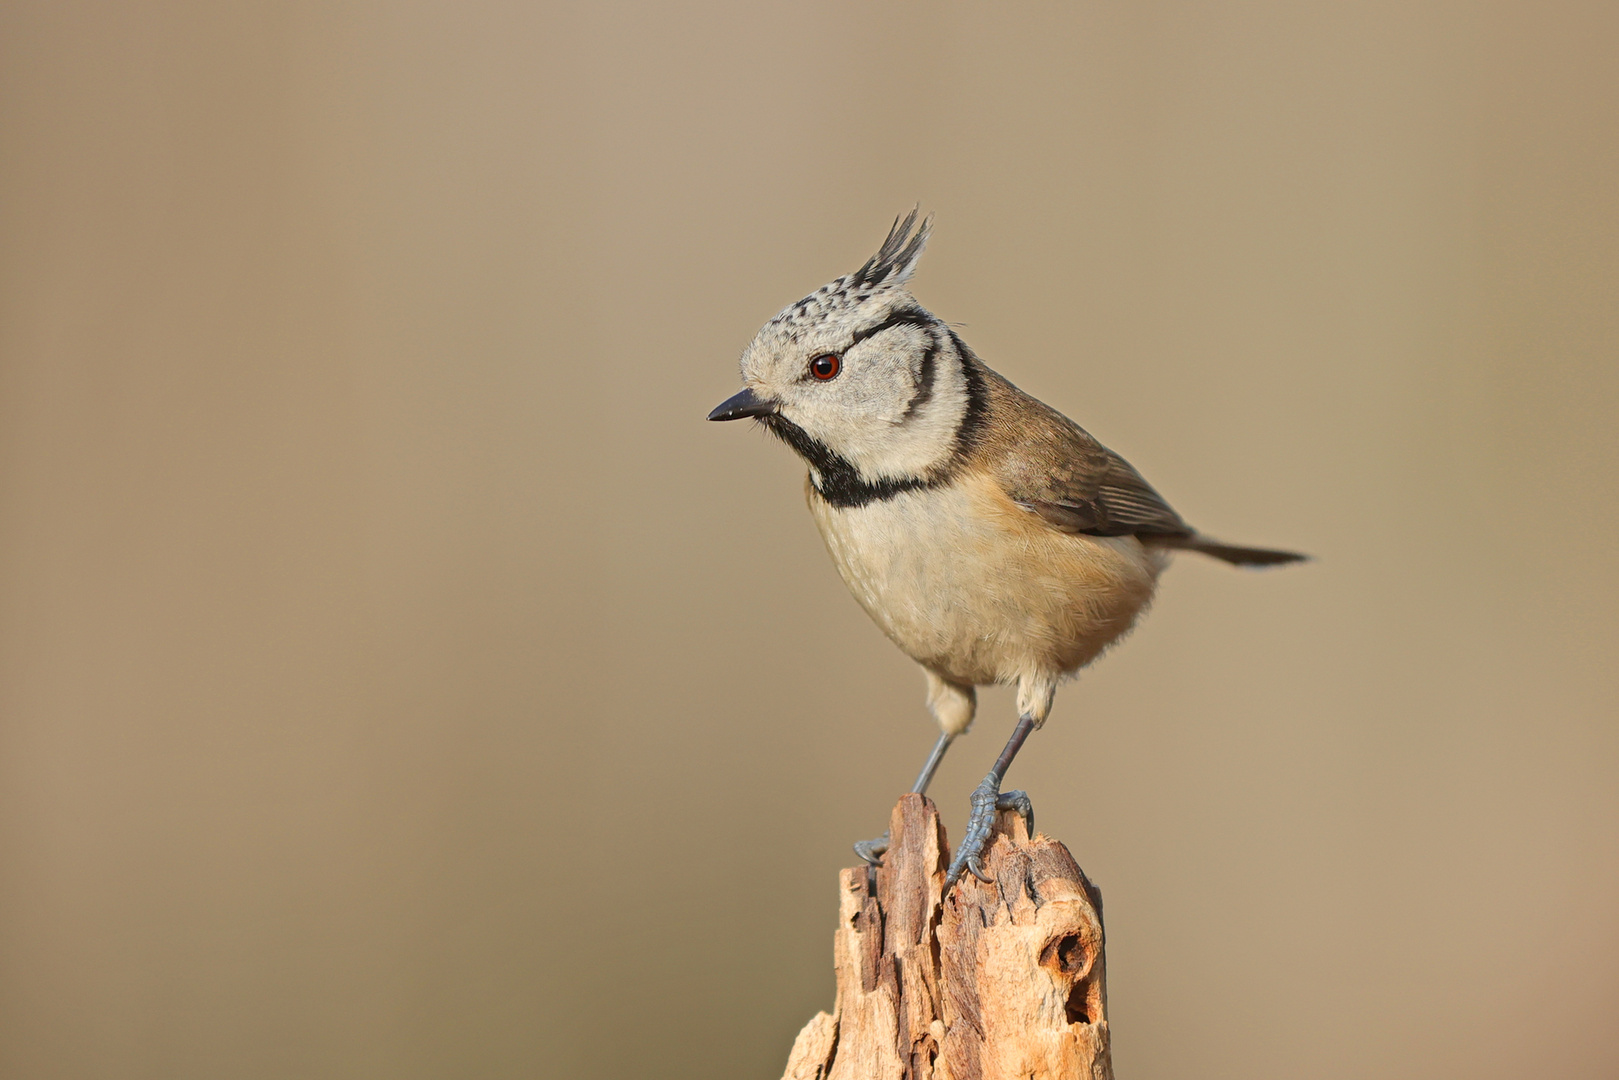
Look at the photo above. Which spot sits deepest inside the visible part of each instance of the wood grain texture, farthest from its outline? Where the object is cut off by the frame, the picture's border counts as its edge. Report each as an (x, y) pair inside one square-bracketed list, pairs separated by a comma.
[(1001, 981)]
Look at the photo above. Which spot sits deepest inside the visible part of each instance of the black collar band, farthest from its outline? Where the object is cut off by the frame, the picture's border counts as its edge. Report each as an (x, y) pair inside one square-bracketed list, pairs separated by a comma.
[(836, 478)]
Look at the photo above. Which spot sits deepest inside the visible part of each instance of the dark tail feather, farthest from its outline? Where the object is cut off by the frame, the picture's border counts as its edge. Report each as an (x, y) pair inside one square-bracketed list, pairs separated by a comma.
[(1238, 556)]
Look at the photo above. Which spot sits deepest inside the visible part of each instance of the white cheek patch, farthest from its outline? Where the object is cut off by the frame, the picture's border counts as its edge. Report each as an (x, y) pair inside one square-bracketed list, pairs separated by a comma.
[(895, 410), (914, 441)]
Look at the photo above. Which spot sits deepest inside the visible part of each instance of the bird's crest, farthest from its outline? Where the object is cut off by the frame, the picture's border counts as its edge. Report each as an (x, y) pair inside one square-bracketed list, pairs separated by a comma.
[(896, 260), (890, 268)]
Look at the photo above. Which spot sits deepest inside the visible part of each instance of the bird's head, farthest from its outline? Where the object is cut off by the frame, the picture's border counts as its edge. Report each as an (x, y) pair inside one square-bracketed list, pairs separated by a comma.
[(858, 378)]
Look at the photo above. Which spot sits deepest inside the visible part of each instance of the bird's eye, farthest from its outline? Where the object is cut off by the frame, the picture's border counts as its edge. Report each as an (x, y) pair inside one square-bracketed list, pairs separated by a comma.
[(826, 367)]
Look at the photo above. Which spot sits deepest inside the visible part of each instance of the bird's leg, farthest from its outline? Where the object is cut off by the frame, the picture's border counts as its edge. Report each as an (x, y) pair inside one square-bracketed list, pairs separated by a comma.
[(987, 800), (931, 766), (872, 850)]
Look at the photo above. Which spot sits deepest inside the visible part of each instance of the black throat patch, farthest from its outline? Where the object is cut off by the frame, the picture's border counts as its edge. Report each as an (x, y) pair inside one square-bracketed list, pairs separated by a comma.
[(836, 479)]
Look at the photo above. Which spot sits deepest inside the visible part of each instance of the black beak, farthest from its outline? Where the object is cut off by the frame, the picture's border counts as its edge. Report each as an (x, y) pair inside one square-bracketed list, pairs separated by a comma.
[(747, 403)]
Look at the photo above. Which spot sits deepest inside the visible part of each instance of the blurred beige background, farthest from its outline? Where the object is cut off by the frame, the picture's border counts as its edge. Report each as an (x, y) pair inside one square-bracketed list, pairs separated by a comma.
[(399, 679)]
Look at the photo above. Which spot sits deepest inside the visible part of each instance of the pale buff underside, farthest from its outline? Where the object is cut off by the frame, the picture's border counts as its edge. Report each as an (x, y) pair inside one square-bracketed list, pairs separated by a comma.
[(979, 590)]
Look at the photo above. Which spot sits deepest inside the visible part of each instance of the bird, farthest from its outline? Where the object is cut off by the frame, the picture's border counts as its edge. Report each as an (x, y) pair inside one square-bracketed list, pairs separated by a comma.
[(990, 537)]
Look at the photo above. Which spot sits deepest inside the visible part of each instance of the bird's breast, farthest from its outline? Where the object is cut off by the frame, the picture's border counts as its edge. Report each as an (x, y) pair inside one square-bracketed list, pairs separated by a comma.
[(967, 583)]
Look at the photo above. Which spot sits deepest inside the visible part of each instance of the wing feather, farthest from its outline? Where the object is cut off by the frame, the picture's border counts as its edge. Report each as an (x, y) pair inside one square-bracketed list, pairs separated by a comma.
[(1056, 469)]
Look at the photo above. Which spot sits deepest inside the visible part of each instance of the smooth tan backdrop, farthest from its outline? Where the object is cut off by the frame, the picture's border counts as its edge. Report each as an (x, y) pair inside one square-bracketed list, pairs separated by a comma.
[(399, 679)]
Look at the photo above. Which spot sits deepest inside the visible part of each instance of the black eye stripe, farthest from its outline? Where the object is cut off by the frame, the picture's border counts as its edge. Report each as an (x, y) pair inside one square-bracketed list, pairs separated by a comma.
[(904, 317)]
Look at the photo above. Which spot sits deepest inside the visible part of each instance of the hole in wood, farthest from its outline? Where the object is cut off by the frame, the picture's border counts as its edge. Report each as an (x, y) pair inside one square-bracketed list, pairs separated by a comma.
[(1069, 957), (1067, 954), (1078, 1006)]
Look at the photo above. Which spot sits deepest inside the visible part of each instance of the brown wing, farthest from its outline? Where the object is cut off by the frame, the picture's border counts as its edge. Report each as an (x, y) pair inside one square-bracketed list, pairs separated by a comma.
[(1116, 502), (1054, 468)]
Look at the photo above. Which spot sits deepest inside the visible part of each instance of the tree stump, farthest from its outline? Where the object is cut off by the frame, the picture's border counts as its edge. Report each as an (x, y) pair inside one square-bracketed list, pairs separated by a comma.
[(1002, 980)]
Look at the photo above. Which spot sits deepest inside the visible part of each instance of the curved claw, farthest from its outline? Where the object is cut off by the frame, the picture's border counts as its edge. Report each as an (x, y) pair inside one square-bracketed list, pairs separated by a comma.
[(872, 850), (987, 801), (1019, 801), (979, 823)]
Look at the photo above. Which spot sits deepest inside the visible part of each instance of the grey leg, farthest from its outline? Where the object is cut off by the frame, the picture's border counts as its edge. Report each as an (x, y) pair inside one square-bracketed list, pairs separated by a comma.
[(872, 850), (987, 800), (931, 766)]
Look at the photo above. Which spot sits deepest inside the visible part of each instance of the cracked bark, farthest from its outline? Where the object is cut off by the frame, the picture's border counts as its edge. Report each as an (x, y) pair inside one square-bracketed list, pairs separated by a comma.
[(1004, 980)]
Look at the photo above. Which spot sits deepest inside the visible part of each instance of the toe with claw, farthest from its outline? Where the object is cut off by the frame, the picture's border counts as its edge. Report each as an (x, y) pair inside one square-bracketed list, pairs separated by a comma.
[(987, 801), (1019, 801), (872, 850)]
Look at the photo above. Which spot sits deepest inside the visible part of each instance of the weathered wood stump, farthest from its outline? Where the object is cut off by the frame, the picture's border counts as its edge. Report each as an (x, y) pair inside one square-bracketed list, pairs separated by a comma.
[(1004, 980)]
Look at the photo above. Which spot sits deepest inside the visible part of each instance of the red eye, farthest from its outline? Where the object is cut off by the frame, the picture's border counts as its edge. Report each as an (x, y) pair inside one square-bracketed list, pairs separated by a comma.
[(826, 367)]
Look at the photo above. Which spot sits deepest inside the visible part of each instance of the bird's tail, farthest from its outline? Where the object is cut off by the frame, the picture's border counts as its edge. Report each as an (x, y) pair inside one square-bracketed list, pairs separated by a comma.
[(1237, 556)]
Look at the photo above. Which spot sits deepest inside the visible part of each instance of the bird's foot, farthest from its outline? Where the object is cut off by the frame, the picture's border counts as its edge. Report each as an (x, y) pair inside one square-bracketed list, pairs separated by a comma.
[(872, 850), (987, 801)]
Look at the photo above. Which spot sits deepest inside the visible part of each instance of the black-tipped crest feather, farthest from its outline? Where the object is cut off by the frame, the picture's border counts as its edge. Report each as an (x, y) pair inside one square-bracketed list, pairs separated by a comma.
[(896, 259)]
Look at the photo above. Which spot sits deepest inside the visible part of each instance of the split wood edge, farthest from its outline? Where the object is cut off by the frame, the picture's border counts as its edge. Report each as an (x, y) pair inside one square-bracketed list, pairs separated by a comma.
[(1002, 980)]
